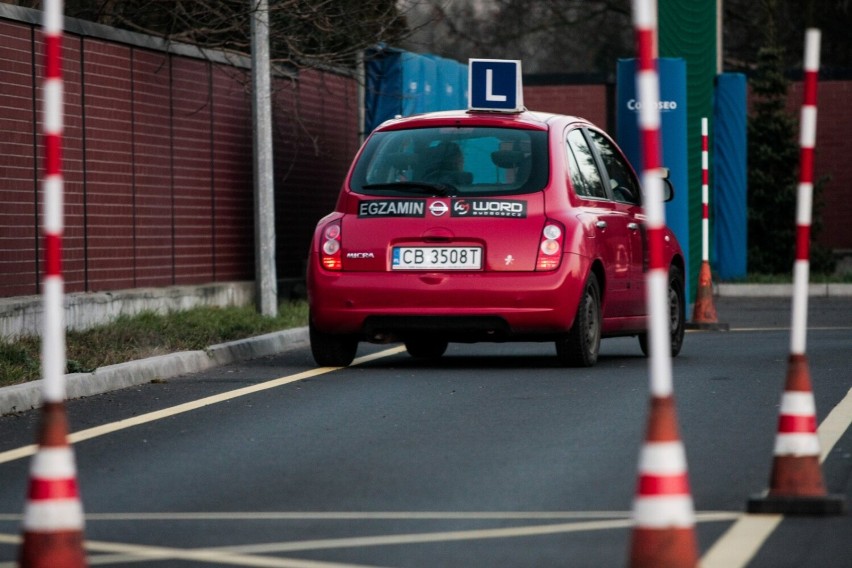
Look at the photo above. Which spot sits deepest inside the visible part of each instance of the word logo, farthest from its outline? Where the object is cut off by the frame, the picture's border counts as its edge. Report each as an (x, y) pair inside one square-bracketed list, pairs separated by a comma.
[(489, 208)]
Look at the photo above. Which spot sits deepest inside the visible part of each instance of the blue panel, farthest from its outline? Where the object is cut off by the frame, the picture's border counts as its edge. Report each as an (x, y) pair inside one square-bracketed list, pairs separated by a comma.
[(673, 116), (404, 83), (728, 195), (463, 84), (383, 90), (412, 83), (448, 84), (428, 100)]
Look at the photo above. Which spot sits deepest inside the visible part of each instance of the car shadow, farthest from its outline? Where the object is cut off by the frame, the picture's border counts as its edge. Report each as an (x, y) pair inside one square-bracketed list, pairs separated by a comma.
[(510, 356)]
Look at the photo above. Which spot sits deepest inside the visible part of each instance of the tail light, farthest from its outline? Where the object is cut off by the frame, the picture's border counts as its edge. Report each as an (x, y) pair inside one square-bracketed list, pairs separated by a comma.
[(330, 247), (551, 246)]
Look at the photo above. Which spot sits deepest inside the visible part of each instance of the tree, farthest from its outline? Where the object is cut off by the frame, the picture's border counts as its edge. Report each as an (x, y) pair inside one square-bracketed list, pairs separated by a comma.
[(773, 158), (588, 36), (772, 153), (743, 27), (558, 36), (303, 33)]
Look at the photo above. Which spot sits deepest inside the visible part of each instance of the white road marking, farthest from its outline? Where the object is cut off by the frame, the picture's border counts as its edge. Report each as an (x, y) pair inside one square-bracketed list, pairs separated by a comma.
[(352, 516), (124, 553), (779, 328), (244, 555)]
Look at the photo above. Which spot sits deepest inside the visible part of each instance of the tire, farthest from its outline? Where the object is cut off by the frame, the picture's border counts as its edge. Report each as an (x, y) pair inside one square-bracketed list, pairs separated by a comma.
[(677, 314), (426, 347), (580, 346), (332, 350)]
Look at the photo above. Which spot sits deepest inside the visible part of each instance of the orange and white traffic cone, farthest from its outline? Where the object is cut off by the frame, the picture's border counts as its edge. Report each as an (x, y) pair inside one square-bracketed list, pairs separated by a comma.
[(664, 533), (704, 311), (796, 484), (53, 515)]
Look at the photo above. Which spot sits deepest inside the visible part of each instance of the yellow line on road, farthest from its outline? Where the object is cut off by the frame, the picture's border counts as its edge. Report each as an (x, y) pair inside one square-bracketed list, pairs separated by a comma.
[(18, 453), (743, 540)]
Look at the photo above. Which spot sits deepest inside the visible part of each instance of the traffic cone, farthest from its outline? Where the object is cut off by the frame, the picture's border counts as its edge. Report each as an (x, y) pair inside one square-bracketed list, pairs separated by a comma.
[(53, 515), (704, 312), (796, 485), (664, 534)]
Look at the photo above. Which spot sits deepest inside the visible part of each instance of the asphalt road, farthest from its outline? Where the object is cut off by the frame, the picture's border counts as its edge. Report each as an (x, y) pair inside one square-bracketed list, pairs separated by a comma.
[(491, 456)]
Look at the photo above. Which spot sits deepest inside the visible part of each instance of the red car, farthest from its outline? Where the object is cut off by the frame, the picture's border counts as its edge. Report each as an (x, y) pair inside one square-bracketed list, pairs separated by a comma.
[(466, 226)]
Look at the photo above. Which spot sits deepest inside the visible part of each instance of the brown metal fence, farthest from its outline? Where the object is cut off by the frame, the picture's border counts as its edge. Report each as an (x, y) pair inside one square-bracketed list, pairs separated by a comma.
[(157, 159)]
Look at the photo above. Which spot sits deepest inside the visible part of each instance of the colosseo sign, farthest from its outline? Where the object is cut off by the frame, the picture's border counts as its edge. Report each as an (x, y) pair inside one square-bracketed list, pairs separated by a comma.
[(662, 106), (673, 134)]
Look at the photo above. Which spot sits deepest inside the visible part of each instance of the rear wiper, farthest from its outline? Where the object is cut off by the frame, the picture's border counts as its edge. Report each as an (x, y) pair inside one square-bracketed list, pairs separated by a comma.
[(442, 189)]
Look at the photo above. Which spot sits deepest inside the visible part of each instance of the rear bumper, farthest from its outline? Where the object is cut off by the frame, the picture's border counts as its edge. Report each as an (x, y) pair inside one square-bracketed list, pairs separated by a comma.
[(466, 306)]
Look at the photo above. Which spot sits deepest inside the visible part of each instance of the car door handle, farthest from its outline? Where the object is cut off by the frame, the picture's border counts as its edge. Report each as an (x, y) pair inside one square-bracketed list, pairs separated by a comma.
[(601, 224), (633, 226)]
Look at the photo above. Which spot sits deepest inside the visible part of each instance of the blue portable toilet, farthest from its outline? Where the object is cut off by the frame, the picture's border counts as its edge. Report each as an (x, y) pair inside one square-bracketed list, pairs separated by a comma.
[(403, 83), (729, 199)]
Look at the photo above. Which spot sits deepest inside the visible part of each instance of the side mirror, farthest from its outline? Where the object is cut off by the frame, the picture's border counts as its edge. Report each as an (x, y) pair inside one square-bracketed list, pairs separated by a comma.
[(668, 187)]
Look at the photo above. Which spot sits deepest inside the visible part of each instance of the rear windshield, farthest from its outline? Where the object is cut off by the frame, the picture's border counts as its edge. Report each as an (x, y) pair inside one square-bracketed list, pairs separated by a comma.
[(453, 161)]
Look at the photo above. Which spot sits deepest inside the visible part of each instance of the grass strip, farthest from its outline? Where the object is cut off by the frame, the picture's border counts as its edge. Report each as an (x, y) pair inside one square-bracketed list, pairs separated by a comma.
[(147, 334)]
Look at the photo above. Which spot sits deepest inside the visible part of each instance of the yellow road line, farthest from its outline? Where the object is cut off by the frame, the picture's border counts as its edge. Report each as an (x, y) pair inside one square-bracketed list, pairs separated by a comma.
[(18, 453), (743, 540)]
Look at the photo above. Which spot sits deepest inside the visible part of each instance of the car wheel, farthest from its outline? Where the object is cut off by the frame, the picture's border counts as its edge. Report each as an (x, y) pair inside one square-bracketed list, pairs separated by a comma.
[(426, 348), (580, 346), (332, 350), (677, 313)]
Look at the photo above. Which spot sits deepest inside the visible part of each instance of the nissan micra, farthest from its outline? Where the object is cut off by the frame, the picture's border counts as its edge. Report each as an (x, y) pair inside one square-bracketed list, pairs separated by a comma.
[(469, 226)]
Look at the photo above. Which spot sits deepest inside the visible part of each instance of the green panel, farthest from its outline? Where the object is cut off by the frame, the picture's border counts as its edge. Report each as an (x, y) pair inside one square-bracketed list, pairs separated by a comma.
[(687, 29)]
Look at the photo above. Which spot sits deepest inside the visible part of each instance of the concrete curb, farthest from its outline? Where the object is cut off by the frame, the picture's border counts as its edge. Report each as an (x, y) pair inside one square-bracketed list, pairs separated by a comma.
[(19, 398), (778, 290), (24, 315)]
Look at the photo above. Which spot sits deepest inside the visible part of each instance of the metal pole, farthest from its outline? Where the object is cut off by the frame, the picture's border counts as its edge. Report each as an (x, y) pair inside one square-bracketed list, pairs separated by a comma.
[(266, 281), (361, 81)]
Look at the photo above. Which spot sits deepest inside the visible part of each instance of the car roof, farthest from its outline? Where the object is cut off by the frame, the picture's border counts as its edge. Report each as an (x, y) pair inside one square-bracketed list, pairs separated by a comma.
[(527, 119)]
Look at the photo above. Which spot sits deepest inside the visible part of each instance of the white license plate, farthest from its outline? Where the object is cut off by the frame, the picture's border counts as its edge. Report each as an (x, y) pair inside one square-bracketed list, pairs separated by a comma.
[(436, 258)]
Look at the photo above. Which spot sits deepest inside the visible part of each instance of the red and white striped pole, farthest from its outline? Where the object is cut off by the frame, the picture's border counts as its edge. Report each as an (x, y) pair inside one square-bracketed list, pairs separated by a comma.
[(53, 341), (804, 201), (53, 514), (705, 193), (704, 311), (796, 485), (663, 511)]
